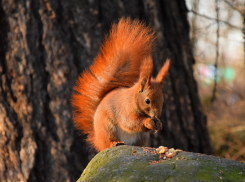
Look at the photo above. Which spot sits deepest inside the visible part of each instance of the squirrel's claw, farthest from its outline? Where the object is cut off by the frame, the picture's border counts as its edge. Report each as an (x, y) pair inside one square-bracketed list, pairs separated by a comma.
[(158, 125), (153, 124), (114, 144)]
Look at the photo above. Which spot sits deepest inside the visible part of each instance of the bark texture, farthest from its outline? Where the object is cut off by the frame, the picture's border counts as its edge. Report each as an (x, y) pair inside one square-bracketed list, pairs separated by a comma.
[(44, 45)]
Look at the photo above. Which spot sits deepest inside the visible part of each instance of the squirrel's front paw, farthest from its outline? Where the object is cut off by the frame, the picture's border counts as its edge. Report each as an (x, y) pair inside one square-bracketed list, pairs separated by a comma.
[(114, 144), (153, 124)]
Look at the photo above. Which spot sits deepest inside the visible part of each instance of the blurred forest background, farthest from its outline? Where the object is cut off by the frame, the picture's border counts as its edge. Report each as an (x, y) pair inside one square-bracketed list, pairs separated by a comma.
[(218, 39)]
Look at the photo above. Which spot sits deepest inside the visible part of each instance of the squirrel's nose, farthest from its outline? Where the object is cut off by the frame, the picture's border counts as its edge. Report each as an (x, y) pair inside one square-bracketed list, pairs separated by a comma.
[(154, 114)]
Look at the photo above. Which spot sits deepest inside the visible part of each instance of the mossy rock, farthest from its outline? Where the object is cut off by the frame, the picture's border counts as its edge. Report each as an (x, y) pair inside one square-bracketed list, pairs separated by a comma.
[(128, 163)]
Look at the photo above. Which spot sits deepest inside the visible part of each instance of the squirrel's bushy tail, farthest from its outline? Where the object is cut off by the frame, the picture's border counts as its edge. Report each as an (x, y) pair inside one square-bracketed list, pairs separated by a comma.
[(117, 65)]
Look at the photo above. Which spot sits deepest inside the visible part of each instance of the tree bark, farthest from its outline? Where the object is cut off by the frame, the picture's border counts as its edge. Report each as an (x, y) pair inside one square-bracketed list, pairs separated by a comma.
[(44, 45)]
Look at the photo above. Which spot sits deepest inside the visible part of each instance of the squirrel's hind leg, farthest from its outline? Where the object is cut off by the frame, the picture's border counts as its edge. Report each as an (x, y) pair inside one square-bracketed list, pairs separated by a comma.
[(104, 132)]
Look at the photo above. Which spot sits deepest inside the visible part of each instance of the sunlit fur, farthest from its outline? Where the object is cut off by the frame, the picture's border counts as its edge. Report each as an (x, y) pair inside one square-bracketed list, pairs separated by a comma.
[(109, 97)]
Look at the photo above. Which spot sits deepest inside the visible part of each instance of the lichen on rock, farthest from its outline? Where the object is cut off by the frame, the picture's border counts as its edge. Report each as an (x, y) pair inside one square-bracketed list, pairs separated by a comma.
[(129, 163)]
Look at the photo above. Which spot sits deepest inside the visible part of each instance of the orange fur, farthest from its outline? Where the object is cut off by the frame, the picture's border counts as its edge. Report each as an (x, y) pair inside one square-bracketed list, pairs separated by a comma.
[(107, 95), (163, 72)]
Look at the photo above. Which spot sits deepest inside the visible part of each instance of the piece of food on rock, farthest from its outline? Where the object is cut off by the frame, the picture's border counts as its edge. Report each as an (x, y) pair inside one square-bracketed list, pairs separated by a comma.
[(165, 153)]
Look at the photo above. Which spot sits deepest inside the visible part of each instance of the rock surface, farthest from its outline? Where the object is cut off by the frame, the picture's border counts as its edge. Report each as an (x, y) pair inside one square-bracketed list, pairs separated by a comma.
[(128, 163)]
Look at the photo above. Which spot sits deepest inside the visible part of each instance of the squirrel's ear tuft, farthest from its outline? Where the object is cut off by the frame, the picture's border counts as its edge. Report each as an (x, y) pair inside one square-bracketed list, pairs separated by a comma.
[(163, 72), (145, 73), (144, 83)]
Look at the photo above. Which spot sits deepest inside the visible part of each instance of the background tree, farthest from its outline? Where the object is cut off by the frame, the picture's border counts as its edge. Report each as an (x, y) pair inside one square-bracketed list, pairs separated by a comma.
[(44, 45)]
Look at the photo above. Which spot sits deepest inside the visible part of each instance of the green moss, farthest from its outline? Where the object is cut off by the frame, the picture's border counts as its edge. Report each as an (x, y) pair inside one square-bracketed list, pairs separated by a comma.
[(204, 174), (234, 174), (169, 179), (213, 172)]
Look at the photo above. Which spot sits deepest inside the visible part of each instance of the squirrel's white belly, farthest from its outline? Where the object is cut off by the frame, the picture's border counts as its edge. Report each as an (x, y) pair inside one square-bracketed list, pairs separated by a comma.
[(128, 138)]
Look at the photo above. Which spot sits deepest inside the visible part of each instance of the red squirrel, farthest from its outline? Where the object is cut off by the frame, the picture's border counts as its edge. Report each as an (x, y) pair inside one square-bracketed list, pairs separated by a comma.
[(116, 100)]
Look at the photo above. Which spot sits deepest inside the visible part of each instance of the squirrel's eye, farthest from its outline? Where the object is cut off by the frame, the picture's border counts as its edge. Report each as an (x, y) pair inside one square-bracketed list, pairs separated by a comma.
[(147, 101)]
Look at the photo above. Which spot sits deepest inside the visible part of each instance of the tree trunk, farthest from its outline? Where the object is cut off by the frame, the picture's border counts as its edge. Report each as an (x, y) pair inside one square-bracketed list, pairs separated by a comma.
[(44, 45)]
